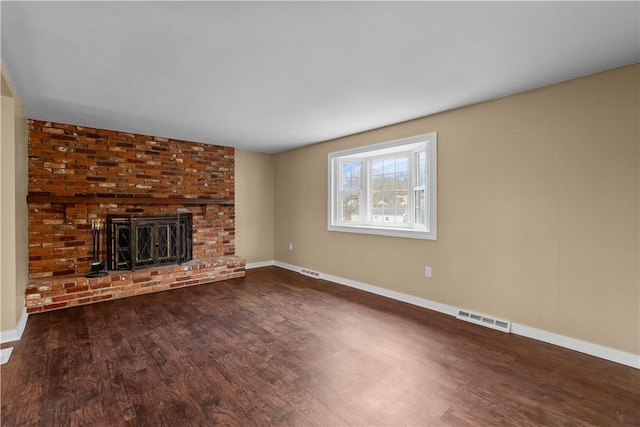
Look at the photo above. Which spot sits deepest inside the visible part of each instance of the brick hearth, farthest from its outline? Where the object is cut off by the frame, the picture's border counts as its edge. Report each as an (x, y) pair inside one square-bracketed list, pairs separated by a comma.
[(77, 174), (68, 291)]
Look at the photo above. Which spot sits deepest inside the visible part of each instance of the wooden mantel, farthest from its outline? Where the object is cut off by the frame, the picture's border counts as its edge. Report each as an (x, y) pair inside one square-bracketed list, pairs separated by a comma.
[(46, 198)]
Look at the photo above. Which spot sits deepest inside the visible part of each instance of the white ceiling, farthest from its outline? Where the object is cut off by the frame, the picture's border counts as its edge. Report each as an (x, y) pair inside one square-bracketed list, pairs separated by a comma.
[(271, 76)]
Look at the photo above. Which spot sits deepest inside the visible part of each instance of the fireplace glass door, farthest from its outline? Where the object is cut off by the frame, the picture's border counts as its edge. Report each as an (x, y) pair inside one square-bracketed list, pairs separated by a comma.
[(135, 242)]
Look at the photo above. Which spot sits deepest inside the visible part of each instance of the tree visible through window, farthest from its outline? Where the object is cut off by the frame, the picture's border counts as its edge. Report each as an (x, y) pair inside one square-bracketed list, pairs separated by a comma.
[(387, 188)]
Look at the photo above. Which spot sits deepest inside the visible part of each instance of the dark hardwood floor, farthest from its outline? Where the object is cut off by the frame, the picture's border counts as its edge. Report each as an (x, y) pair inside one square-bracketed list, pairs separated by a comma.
[(279, 348)]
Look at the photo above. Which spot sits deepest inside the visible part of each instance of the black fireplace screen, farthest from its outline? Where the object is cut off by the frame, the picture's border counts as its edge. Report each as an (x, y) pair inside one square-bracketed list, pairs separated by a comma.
[(135, 242)]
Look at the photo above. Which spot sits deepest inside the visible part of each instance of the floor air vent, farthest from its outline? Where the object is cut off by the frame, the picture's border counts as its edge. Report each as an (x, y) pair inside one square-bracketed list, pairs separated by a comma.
[(489, 322), (310, 273)]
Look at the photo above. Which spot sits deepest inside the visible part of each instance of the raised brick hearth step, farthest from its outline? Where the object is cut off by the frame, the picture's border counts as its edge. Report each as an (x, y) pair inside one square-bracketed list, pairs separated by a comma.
[(67, 291)]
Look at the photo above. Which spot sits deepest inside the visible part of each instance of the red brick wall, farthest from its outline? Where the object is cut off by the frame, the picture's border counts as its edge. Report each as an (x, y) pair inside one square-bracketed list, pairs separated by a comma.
[(68, 160)]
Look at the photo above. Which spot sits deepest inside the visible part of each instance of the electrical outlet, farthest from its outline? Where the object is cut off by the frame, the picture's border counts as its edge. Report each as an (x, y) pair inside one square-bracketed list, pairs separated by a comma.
[(427, 271), (290, 246)]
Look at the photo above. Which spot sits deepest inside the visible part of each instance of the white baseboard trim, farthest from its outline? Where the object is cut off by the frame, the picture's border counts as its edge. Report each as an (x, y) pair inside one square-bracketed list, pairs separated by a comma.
[(613, 355), (287, 266), (15, 334), (259, 264), (607, 353), (399, 296), (5, 354)]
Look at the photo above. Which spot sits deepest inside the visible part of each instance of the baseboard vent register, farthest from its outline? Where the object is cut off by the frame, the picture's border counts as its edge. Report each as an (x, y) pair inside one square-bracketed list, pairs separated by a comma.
[(489, 322), (310, 273)]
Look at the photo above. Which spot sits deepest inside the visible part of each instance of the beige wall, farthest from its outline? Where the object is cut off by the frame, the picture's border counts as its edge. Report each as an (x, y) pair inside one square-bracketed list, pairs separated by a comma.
[(538, 206), (254, 205), (13, 208)]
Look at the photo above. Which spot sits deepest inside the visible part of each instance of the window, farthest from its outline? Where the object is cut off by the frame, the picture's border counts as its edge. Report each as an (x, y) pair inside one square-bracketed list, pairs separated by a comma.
[(387, 188)]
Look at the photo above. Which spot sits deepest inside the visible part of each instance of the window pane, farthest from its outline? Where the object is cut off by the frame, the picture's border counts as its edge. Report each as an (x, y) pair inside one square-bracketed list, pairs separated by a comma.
[(356, 169), (350, 177), (376, 167), (377, 214), (351, 169), (389, 198), (402, 164), (421, 168), (350, 207), (376, 182), (402, 199), (405, 216), (402, 181), (388, 182), (390, 215), (390, 190), (351, 184), (345, 184), (420, 206), (389, 165), (376, 199), (356, 183)]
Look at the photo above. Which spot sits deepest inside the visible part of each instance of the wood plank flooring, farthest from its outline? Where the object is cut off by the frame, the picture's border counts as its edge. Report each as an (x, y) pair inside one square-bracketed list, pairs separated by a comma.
[(279, 348)]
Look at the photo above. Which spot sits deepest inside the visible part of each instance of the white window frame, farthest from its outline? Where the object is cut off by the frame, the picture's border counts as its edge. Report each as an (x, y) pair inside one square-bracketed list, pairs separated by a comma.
[(405, 146)]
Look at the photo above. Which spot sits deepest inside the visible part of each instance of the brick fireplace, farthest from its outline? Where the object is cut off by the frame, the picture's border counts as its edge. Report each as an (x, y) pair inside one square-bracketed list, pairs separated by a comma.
[(79, 174)]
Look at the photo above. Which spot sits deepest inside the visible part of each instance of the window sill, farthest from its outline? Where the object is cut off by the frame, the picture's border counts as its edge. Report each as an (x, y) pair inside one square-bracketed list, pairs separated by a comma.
[(385, 231)]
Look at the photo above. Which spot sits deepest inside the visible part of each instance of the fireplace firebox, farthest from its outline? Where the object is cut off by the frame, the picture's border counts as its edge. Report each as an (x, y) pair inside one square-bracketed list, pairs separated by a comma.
[(142, 241)]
